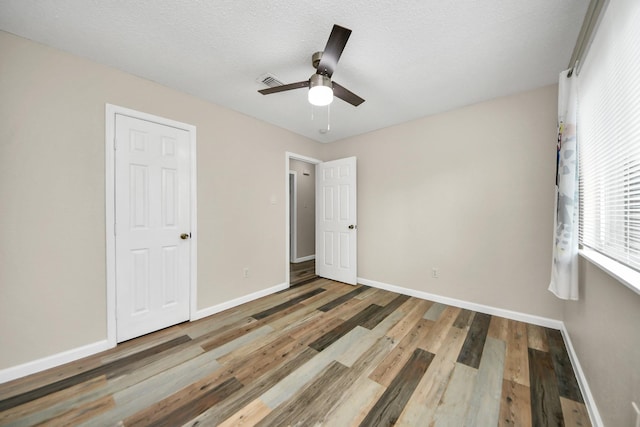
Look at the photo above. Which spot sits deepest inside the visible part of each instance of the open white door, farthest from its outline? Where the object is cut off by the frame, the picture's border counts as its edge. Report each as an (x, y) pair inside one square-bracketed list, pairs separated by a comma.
[(153, 227), (336, 225)]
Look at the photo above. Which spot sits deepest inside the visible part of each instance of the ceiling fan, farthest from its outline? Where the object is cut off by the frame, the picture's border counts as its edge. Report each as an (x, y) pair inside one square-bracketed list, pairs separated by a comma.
[(321, 88)]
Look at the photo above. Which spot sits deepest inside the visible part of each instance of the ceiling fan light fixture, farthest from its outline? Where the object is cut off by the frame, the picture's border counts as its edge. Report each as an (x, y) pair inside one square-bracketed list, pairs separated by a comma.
[(320, 90)]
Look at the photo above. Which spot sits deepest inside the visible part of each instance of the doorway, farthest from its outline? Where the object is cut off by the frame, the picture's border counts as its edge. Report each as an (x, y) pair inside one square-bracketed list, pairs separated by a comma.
[(300, 188), (335, 225), (302, 182)]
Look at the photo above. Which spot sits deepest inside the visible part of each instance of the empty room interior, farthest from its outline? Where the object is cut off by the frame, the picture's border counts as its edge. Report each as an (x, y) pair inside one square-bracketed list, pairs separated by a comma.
[(439, 226)]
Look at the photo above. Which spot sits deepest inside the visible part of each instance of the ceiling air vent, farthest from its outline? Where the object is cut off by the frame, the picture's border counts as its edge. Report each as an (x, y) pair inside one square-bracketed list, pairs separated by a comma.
[(269, 80)]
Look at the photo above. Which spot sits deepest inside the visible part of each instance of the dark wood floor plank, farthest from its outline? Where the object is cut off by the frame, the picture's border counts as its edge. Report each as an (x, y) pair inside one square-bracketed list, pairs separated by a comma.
[(474, 343), (381, 314), (346, 297), (341, 330), (546, 409), (118, 367), (302, 272), (293, 301), (567, 384), (390, 405)]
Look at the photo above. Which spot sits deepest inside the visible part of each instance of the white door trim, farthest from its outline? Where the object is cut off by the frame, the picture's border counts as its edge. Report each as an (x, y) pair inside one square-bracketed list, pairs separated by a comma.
[(287, 253), (110, 124), (293, 215)]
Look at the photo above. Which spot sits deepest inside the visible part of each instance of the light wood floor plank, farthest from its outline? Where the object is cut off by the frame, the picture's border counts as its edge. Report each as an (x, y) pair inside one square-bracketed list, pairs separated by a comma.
[(575, 413), (498, 328), (402, 328), (453, 406), (355, 404), (537, 338), (435, 311), (516, 365), (439, 330), (515, 405), (250, 415), (484, 408)]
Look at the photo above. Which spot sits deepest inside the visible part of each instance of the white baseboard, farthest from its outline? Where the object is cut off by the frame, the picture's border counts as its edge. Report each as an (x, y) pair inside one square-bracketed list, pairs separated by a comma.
[(304, 258), (494, 311), (52, 361), (589, 401), (236, 302)]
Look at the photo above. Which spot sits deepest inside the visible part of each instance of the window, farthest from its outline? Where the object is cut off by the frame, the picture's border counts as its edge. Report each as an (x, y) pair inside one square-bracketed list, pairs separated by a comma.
[(608, 127)]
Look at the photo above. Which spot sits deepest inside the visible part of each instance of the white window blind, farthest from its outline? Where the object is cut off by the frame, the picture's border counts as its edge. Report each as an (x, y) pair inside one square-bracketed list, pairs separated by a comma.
[(608, 129)]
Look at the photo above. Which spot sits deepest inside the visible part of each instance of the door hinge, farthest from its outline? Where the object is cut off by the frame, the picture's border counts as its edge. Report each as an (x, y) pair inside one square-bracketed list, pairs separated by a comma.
[(115, 144)]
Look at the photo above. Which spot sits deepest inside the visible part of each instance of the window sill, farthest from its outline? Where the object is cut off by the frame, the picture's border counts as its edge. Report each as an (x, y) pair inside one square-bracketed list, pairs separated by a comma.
[(625, 275)]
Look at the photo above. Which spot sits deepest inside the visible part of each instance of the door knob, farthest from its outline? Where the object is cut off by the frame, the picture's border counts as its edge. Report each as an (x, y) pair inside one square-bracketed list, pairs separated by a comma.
[(351, 227), (184, 236)]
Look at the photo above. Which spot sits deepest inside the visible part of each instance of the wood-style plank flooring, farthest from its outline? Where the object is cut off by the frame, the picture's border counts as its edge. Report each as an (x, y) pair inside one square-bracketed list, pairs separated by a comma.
[(323, 353), (302, 272)]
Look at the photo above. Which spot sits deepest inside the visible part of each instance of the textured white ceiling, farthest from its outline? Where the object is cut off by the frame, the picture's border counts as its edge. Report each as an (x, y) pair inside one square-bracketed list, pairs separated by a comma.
[(406, 58)]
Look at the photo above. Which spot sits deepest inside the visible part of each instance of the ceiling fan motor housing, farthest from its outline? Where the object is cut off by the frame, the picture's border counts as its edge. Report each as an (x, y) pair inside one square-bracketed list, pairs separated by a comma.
[(319, 80), (315, 59)]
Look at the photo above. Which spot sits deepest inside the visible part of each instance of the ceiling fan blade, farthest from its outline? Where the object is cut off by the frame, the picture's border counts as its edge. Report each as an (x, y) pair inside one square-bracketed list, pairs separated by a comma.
[(346, 95), (332, 51), (282, 88)]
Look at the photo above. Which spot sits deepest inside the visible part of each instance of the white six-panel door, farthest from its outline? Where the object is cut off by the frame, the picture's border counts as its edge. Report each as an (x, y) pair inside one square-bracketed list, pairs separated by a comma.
[(152, 212), (336, 225)]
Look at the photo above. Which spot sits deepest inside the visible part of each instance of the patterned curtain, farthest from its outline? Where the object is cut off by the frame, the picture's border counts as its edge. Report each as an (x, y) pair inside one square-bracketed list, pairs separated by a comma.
[(564, 268)]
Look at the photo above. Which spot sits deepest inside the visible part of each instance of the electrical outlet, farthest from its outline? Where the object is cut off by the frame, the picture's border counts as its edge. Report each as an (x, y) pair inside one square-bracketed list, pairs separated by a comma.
[(435, 272), (637, 411), (245, 272)]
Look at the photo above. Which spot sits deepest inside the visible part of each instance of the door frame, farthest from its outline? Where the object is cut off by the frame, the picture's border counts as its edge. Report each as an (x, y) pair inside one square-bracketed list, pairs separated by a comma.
[(293, 215), (110, 203), (287, 252)]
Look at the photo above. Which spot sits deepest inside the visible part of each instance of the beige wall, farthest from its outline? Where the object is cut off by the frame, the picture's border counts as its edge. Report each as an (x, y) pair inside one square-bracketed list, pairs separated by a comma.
[(604, 326), (52, 200), (305, 207), (469, 192)]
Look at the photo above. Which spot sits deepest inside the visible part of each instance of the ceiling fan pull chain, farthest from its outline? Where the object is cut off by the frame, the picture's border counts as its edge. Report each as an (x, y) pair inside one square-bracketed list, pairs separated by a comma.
[(328, 117)]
